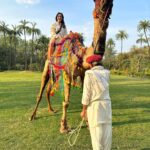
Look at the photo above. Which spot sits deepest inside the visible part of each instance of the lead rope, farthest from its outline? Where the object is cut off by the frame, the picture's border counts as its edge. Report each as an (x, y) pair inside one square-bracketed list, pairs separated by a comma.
[(76, 133)]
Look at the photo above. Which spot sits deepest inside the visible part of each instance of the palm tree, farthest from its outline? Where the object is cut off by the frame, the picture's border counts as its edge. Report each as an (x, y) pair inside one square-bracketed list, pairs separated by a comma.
[(144, 26), (110, 43), (109, 53), (121, 35), (34, 31), (4, 30), (25, 29), (140, 40), (10, 35), (16, 32)]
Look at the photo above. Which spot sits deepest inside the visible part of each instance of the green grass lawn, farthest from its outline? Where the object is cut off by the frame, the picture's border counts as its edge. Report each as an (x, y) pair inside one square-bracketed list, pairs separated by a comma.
[(18, 90)]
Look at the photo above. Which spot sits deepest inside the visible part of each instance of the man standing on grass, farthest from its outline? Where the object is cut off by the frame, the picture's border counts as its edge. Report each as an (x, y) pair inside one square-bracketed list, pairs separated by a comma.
[(97, 104)]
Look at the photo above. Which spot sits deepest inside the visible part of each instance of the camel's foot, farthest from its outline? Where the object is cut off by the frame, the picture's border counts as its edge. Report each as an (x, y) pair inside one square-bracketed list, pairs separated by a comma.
[(32, 117), (65, 130), (51, 110)]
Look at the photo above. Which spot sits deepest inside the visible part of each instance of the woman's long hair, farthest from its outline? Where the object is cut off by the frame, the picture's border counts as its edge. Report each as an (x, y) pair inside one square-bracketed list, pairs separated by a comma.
[(63, 22)]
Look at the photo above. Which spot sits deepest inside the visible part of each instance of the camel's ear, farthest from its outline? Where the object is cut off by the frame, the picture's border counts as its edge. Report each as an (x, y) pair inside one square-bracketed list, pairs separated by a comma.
[(71, 33)]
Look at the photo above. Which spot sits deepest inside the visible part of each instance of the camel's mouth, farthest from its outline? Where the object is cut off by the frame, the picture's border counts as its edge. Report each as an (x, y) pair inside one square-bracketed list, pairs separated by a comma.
[(89, 51)]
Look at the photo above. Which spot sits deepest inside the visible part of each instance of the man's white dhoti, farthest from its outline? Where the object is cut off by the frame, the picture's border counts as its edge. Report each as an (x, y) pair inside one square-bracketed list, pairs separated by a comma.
[(99, 117), (101, 136)]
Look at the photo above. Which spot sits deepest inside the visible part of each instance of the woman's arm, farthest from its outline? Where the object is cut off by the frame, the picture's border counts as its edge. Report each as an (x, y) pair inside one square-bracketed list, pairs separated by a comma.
[(53, 31)]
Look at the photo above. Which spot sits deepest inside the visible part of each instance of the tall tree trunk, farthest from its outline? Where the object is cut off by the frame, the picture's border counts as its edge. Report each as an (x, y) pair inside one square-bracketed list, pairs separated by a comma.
[(31, 57), (101, 14), (10, 53), (121, 45), (15, 49), (139, 64), (4, 39), (147, 43), (25, 52), (141, 43)]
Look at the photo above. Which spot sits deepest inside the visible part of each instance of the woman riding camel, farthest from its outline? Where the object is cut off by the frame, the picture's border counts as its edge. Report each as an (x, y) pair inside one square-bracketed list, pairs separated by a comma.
[(58, 31)]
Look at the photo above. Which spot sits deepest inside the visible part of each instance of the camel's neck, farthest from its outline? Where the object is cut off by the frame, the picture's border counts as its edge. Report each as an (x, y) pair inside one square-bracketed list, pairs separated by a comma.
[(101, 16)]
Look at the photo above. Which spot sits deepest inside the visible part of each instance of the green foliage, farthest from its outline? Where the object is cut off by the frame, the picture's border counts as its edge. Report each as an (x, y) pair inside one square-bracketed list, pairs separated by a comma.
[(19, 67), (109, 53), (3, 60), (133, 63), (34, 67)]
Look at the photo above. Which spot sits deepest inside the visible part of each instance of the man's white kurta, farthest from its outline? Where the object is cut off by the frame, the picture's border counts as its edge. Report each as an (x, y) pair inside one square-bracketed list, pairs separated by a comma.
[(96, 96)]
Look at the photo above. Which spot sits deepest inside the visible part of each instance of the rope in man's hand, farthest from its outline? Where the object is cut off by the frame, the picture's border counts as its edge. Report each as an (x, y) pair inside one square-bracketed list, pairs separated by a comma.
[(75, 132)]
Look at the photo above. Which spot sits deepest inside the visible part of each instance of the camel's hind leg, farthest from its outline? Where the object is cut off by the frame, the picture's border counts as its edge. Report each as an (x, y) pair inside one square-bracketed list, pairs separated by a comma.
[(64, 128), (48, 90), (44, 80)]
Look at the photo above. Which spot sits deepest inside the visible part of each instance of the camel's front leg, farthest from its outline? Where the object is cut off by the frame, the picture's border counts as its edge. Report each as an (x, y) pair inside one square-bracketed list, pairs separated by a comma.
[(64, 128)]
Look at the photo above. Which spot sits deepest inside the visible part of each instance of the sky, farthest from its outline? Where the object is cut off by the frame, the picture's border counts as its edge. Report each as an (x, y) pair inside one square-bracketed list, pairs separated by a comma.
[(126, 15)]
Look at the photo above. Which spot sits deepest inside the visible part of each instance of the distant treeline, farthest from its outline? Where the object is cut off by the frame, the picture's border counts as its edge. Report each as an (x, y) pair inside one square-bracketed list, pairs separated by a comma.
[(23, 47)]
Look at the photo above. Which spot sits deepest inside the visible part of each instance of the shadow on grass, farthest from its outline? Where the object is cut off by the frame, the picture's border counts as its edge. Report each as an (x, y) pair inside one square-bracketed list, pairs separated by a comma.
[(48, 115), (133, 105), (131, 122)]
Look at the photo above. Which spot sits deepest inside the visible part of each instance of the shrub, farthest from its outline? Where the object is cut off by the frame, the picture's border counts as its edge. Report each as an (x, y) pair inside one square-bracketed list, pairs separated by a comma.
[(19, 67), (34, 67)]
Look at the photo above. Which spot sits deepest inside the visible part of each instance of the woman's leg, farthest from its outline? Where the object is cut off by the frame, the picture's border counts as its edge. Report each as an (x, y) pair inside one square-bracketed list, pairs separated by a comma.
[(51, 48)]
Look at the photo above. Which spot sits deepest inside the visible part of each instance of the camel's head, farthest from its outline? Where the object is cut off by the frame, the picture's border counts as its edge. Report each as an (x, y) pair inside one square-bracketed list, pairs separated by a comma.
[(81, 52), (78, 48), (76, 36)]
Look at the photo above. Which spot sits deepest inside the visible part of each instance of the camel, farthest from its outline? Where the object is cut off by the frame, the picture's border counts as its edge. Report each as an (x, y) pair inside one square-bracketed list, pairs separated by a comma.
[(71, 51), (75, 62)]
